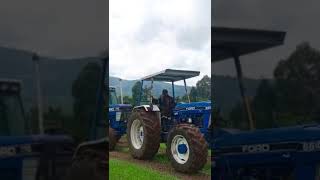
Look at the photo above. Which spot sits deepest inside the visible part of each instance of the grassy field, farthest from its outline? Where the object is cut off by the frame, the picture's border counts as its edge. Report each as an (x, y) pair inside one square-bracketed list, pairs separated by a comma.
[(162, 158), (123, 170)]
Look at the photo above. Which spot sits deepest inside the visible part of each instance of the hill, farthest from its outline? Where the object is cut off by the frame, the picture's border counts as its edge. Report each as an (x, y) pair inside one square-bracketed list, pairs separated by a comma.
[(57, 76)]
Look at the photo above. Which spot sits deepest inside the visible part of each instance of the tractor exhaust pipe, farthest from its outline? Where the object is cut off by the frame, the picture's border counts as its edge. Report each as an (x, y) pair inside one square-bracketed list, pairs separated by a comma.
[(121, 95), (36, 61)]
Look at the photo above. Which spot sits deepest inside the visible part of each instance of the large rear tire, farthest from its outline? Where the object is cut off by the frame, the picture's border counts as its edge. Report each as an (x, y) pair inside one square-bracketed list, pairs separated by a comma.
[(143, 133), (187, 148), (113, 139)]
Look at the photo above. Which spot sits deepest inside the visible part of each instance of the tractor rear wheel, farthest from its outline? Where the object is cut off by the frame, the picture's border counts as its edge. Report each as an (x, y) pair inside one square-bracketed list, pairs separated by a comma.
[(143, 133), (187, 148), (113, 139)]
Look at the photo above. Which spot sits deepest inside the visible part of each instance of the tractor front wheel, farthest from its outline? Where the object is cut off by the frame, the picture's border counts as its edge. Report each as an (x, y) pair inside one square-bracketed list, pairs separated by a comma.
[(187, 148), (143, 133)]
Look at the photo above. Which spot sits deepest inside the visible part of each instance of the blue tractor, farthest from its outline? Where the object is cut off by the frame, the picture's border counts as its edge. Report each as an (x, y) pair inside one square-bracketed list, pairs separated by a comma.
[(184, 126), (290, 153), (118, 116), (51, 155), (26, 156)]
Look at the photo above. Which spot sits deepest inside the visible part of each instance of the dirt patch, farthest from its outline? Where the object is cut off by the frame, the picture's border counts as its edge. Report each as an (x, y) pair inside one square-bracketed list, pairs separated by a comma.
[(155, 165)]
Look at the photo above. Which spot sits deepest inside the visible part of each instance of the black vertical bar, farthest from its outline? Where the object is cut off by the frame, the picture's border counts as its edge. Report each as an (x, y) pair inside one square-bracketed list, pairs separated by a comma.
[(173, 94), (99, 104), (242, 90), (140, 97)]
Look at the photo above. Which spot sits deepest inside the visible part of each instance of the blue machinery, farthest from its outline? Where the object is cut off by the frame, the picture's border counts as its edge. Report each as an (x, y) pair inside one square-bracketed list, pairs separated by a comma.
[(185, 131), (24, 156), (272, 154), (47, 157), (118, 116)]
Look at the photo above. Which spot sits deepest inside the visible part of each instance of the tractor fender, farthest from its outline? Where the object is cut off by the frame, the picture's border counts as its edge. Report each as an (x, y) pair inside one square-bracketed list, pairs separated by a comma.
[(97, 145), (147, 108)]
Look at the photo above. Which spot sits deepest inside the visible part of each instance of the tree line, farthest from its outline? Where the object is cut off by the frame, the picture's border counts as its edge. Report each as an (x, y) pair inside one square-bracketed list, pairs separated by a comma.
[(292, 97)]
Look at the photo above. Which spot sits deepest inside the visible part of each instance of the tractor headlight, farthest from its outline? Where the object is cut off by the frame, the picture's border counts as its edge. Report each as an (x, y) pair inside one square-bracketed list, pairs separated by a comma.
[(118, 116)]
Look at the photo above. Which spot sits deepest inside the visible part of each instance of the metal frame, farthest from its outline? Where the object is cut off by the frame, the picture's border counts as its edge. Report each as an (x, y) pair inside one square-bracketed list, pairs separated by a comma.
[(235, 42), (169, 75)]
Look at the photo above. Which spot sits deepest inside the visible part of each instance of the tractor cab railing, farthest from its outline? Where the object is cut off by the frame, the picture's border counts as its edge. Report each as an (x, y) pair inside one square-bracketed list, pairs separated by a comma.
[(167, 75)]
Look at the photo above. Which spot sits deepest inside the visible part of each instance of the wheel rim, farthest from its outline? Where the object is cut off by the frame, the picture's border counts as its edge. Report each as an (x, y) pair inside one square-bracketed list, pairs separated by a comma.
[(136, 134), (180, 156)]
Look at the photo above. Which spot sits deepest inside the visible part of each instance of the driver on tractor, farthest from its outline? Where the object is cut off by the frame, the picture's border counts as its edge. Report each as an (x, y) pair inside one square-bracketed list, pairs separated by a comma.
[(166, 103)]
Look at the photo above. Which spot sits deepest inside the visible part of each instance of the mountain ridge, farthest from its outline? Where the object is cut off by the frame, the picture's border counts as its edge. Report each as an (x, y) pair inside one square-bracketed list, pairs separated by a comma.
[(57, 76)]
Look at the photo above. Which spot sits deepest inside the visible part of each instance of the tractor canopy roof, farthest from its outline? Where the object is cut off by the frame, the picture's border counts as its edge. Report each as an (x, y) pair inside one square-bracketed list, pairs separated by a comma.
[(228, 42), (171, 75)]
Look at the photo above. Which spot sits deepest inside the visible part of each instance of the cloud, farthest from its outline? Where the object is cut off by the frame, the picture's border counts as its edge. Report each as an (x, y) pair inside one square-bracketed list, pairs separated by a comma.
[(153, 35), (295, 17), (59, 28)]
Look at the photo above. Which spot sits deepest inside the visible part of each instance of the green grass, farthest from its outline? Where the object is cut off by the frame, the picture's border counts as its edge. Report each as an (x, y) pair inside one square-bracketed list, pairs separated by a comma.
[(163, 146), (162, 158), (207, 169), (123, 170)]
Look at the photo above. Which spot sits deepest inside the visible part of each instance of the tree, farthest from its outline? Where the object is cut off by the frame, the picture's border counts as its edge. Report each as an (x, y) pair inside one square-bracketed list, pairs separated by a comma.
[(193, 94), (204, 88), (127, 100), (298, 83), (263, 105), (238, 118), (84, 90)]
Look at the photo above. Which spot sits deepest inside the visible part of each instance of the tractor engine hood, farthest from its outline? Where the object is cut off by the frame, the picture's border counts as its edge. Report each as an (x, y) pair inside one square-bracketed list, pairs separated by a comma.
[(120, 107), (34, 139), (289, 138), (205, 105)]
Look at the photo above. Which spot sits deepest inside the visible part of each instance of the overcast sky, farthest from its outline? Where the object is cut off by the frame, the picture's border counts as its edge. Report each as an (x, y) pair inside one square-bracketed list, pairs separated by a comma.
[(59, 28), (147, 36), (298, 18)]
